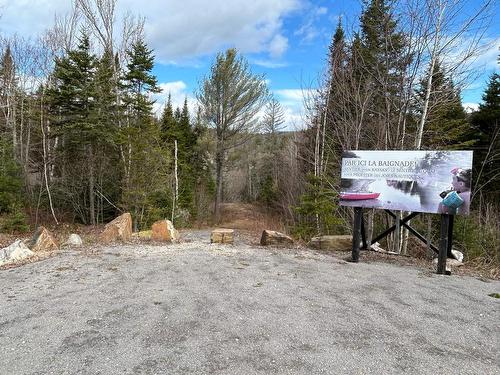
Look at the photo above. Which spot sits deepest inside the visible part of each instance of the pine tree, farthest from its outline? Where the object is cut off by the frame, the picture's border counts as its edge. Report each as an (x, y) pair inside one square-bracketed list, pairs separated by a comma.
[(73, 106), (185, 127), (107, 116), (486, 123), (140, 82), (488, 115), (167, 122), (447, 126), (333, 112), (382, 63), (177, 127), (7, 91), (144, 157), (230, 96), (338, 102), (273, 124), (317, 202)]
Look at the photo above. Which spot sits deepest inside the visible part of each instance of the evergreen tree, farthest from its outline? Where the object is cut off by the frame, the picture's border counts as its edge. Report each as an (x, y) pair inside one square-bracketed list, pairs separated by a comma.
[(7, 92), (273, 124), (334, 109), (338, 102), (486, 123), (316, 210), (487, 117), (447, 126), (177, 127), (381, 64), (72, 99), (230, 96), (140, 82), (143, 155), (167, 122), (185, 127), (107, 116)]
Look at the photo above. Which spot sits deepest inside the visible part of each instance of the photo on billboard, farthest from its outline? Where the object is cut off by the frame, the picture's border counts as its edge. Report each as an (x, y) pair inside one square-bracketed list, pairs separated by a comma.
[(417, 181)]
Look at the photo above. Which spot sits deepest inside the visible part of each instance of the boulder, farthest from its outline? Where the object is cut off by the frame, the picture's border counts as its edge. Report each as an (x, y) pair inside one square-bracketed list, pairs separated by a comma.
[(450, 262), (43, 241), (163, 230), (74, 240), (120, 229), (15, 252), (271, 237), (221, 235), (336, 243)]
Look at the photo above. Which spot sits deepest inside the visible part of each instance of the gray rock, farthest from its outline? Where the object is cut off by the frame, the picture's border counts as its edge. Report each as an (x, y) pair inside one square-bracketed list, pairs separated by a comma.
[(74, 240), (450, 263), (15, 252), (458, 255)]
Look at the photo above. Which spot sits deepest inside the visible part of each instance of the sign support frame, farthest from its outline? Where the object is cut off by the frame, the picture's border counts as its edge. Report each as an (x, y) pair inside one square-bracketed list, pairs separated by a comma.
[(445, 243)]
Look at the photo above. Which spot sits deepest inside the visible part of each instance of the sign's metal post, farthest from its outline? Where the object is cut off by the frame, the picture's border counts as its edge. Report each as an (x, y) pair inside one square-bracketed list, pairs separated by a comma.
[(356, 235), (450, 237), (363, 234), (397, 246), (443, 244)]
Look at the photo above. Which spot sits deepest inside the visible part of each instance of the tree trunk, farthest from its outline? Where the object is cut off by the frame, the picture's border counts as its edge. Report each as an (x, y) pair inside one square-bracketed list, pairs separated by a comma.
[(44, 148), (90, 160), (219, 161), (176, 187)]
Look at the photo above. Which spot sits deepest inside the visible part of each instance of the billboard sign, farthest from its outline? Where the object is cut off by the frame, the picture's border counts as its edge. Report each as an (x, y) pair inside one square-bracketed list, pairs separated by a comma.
[(417, 181)]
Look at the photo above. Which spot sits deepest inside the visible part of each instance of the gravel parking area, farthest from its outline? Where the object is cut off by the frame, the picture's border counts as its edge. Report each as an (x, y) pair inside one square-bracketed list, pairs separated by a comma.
[(196, 308)]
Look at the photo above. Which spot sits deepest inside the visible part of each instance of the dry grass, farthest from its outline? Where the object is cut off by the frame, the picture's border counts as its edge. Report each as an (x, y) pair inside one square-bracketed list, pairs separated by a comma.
[(250, 217), (250, 220)]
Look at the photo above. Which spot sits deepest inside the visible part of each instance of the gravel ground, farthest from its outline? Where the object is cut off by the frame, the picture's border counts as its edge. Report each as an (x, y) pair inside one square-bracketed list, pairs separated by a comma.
[(196, 308)]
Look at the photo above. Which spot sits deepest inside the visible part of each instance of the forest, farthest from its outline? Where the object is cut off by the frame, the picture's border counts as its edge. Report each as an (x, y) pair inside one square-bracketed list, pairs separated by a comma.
[(80, 142)]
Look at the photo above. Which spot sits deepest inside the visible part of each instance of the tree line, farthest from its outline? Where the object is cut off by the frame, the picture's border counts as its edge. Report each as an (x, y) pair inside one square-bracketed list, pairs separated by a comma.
[(79, 140), (395, 83)]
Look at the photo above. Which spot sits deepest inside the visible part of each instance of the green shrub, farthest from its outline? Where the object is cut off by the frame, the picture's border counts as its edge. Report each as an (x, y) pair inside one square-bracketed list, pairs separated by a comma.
[(14, 221), (316, 213), (10, 178), (478, 235)]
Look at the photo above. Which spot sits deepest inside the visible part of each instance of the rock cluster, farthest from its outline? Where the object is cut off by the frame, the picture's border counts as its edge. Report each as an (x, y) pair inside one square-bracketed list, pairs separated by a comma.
[(42, 241)]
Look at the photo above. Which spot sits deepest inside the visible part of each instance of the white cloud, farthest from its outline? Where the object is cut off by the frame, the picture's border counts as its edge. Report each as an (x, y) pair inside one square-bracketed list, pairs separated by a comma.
[(176, 30), (470, 107), (269, 64), (466, 55), (294, 95), (177, 91), (278, 46), (29, 17), (489, 55), (180, 30), (309, 31), (292, 101)]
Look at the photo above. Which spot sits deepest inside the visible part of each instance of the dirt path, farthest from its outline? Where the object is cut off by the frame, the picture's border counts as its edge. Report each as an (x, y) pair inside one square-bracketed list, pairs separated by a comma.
[(196, 308)]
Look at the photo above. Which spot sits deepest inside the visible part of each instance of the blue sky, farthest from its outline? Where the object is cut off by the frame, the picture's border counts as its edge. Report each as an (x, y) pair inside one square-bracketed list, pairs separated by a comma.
[(286, 40)]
